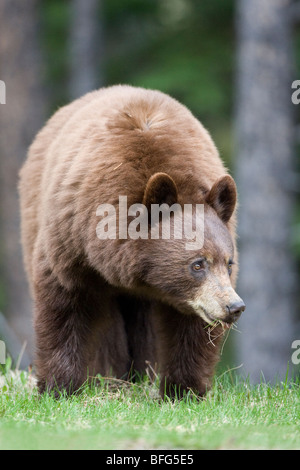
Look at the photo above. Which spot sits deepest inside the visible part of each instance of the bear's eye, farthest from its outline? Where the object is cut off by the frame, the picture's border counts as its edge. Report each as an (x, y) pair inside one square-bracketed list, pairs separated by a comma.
[(198, 265), (230, 264)]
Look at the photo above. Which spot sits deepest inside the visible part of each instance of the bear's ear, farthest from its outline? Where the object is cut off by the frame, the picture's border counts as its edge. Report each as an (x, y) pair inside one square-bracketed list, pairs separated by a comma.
[(222, 197), (160, 189)]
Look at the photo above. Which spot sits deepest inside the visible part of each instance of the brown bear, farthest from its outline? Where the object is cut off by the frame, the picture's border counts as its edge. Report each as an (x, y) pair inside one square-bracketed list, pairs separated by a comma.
[(113, 305)]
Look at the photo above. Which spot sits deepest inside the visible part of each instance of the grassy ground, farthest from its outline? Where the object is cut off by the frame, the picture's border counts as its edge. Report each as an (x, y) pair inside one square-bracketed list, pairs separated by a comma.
[(119, 415)]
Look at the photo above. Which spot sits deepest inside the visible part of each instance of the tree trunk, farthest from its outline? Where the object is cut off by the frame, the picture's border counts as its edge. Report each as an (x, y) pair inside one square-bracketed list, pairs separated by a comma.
[(20, 118), (85, 47), (264, 129)]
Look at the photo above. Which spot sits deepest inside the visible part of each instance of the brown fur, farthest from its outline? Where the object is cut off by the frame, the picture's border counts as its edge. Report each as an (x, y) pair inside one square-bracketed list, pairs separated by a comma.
[(102, 305)]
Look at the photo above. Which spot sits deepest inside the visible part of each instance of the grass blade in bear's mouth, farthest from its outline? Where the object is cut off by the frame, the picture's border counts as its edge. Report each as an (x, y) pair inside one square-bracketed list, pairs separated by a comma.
[(225, 324), (215, 321)]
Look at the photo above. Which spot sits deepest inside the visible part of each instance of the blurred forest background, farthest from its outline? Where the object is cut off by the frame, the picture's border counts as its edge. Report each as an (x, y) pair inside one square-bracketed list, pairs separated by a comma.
[(232, 63)]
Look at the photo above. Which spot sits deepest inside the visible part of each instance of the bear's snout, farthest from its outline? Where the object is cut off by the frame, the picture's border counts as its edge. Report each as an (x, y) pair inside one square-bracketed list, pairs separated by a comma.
[(218, 304), (234, 311)]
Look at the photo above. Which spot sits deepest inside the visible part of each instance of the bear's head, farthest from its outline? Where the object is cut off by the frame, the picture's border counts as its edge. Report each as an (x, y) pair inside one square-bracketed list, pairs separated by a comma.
[(199, 280)]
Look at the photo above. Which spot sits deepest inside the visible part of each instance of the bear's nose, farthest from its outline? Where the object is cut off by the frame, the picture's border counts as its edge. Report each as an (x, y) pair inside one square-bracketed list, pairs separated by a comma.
[(236, 309)]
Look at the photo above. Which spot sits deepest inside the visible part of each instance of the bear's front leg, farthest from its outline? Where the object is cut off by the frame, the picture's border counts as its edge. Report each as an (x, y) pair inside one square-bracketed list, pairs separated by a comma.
[(188, 353), (66, 323)]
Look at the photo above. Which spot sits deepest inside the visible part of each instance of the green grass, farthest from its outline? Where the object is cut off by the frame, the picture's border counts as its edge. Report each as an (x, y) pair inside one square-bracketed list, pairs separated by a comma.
[(119, 415)]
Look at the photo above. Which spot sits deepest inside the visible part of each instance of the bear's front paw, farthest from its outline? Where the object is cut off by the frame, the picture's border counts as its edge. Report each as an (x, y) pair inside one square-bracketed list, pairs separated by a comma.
[(57, 387), (178, 391)]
